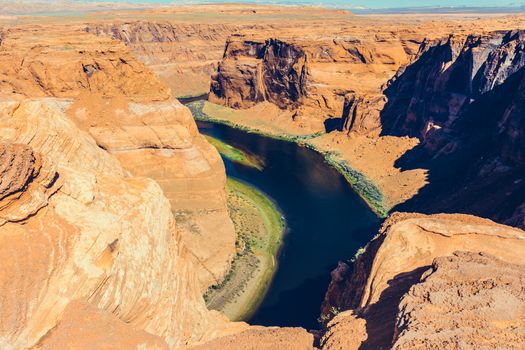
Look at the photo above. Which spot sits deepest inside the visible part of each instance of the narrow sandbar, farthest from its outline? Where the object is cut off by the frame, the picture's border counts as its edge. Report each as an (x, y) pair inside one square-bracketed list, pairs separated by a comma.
[(260, 227)]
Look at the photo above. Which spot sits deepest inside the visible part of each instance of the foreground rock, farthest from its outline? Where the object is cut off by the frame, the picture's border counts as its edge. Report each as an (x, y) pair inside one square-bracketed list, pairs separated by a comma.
[(388, 278), (259, 338), (82, 240), (477, 292)]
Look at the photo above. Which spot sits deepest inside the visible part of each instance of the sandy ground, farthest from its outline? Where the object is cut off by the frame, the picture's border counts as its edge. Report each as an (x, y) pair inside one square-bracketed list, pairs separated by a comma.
[(375, 158)]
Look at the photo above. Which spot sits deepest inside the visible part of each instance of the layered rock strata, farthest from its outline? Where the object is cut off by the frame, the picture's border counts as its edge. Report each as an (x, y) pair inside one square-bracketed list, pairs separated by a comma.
[(184, 44), (183, 55), (305, 76), (457, 97), (97, 257)]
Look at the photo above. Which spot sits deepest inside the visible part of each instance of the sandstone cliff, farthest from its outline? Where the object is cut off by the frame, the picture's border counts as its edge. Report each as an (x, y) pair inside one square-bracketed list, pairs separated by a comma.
[(272, 71), (445, 130), (183, 55), (184, 44), (346, 66), (112, 212), (382, 284)]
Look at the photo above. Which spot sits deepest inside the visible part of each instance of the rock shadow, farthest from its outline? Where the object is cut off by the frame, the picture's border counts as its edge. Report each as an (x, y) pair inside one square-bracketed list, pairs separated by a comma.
[(381, 316), (468, 157)]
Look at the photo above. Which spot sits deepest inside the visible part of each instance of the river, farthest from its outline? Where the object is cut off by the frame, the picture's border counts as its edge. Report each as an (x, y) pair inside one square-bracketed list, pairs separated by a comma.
[(326, 222)]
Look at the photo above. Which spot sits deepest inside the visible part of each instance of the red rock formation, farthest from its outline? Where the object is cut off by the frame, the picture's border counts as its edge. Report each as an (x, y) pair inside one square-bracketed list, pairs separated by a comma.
[(298, 75), (130, 113), (183, 55), (81, 229), (94, 256), (17, 168)]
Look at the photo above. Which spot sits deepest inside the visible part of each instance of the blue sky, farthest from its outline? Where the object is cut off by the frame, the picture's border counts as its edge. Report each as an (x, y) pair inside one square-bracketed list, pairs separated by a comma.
[(349, 3)]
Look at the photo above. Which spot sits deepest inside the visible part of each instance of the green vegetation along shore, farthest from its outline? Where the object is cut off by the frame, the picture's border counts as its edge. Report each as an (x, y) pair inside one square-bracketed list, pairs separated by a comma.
[(361, 184), (234, 154), (260, 228)]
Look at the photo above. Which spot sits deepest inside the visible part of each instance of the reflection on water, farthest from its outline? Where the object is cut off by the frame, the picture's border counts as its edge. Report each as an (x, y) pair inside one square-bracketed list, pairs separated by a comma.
[(327, 222)]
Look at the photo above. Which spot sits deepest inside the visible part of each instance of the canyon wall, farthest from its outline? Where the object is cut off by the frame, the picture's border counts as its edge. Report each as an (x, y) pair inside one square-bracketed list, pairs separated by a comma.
[(112, 206), (84, 241), (113, 211), (183, 45), (444, 110), (463, 98), (271, 71), (459, 98)]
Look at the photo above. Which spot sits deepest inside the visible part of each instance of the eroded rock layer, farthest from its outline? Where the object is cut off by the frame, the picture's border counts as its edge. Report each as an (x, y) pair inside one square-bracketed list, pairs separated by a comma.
[(112, 208), (445, 129), (477, 291), (313, 77), (130, 113)]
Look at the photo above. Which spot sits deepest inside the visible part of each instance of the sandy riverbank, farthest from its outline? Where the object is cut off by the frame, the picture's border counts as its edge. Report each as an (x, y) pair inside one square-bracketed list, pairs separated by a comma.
[(260, 228)]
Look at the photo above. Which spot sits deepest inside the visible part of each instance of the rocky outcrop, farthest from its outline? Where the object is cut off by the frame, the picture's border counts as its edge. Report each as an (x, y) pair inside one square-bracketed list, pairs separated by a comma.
[(63, 63), (273, 71), (183, 55), (17, 169), (130, 113), (161, 141), (263, 338), (478, 292), (446, 77), (98, 254), (365, 299)]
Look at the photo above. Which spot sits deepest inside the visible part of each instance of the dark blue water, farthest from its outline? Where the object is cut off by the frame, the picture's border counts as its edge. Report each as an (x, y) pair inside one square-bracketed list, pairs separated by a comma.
[(326, 220)]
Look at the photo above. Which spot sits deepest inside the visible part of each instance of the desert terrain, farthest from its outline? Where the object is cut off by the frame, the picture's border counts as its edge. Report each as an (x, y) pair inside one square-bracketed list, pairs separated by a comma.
[(116, 217)]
